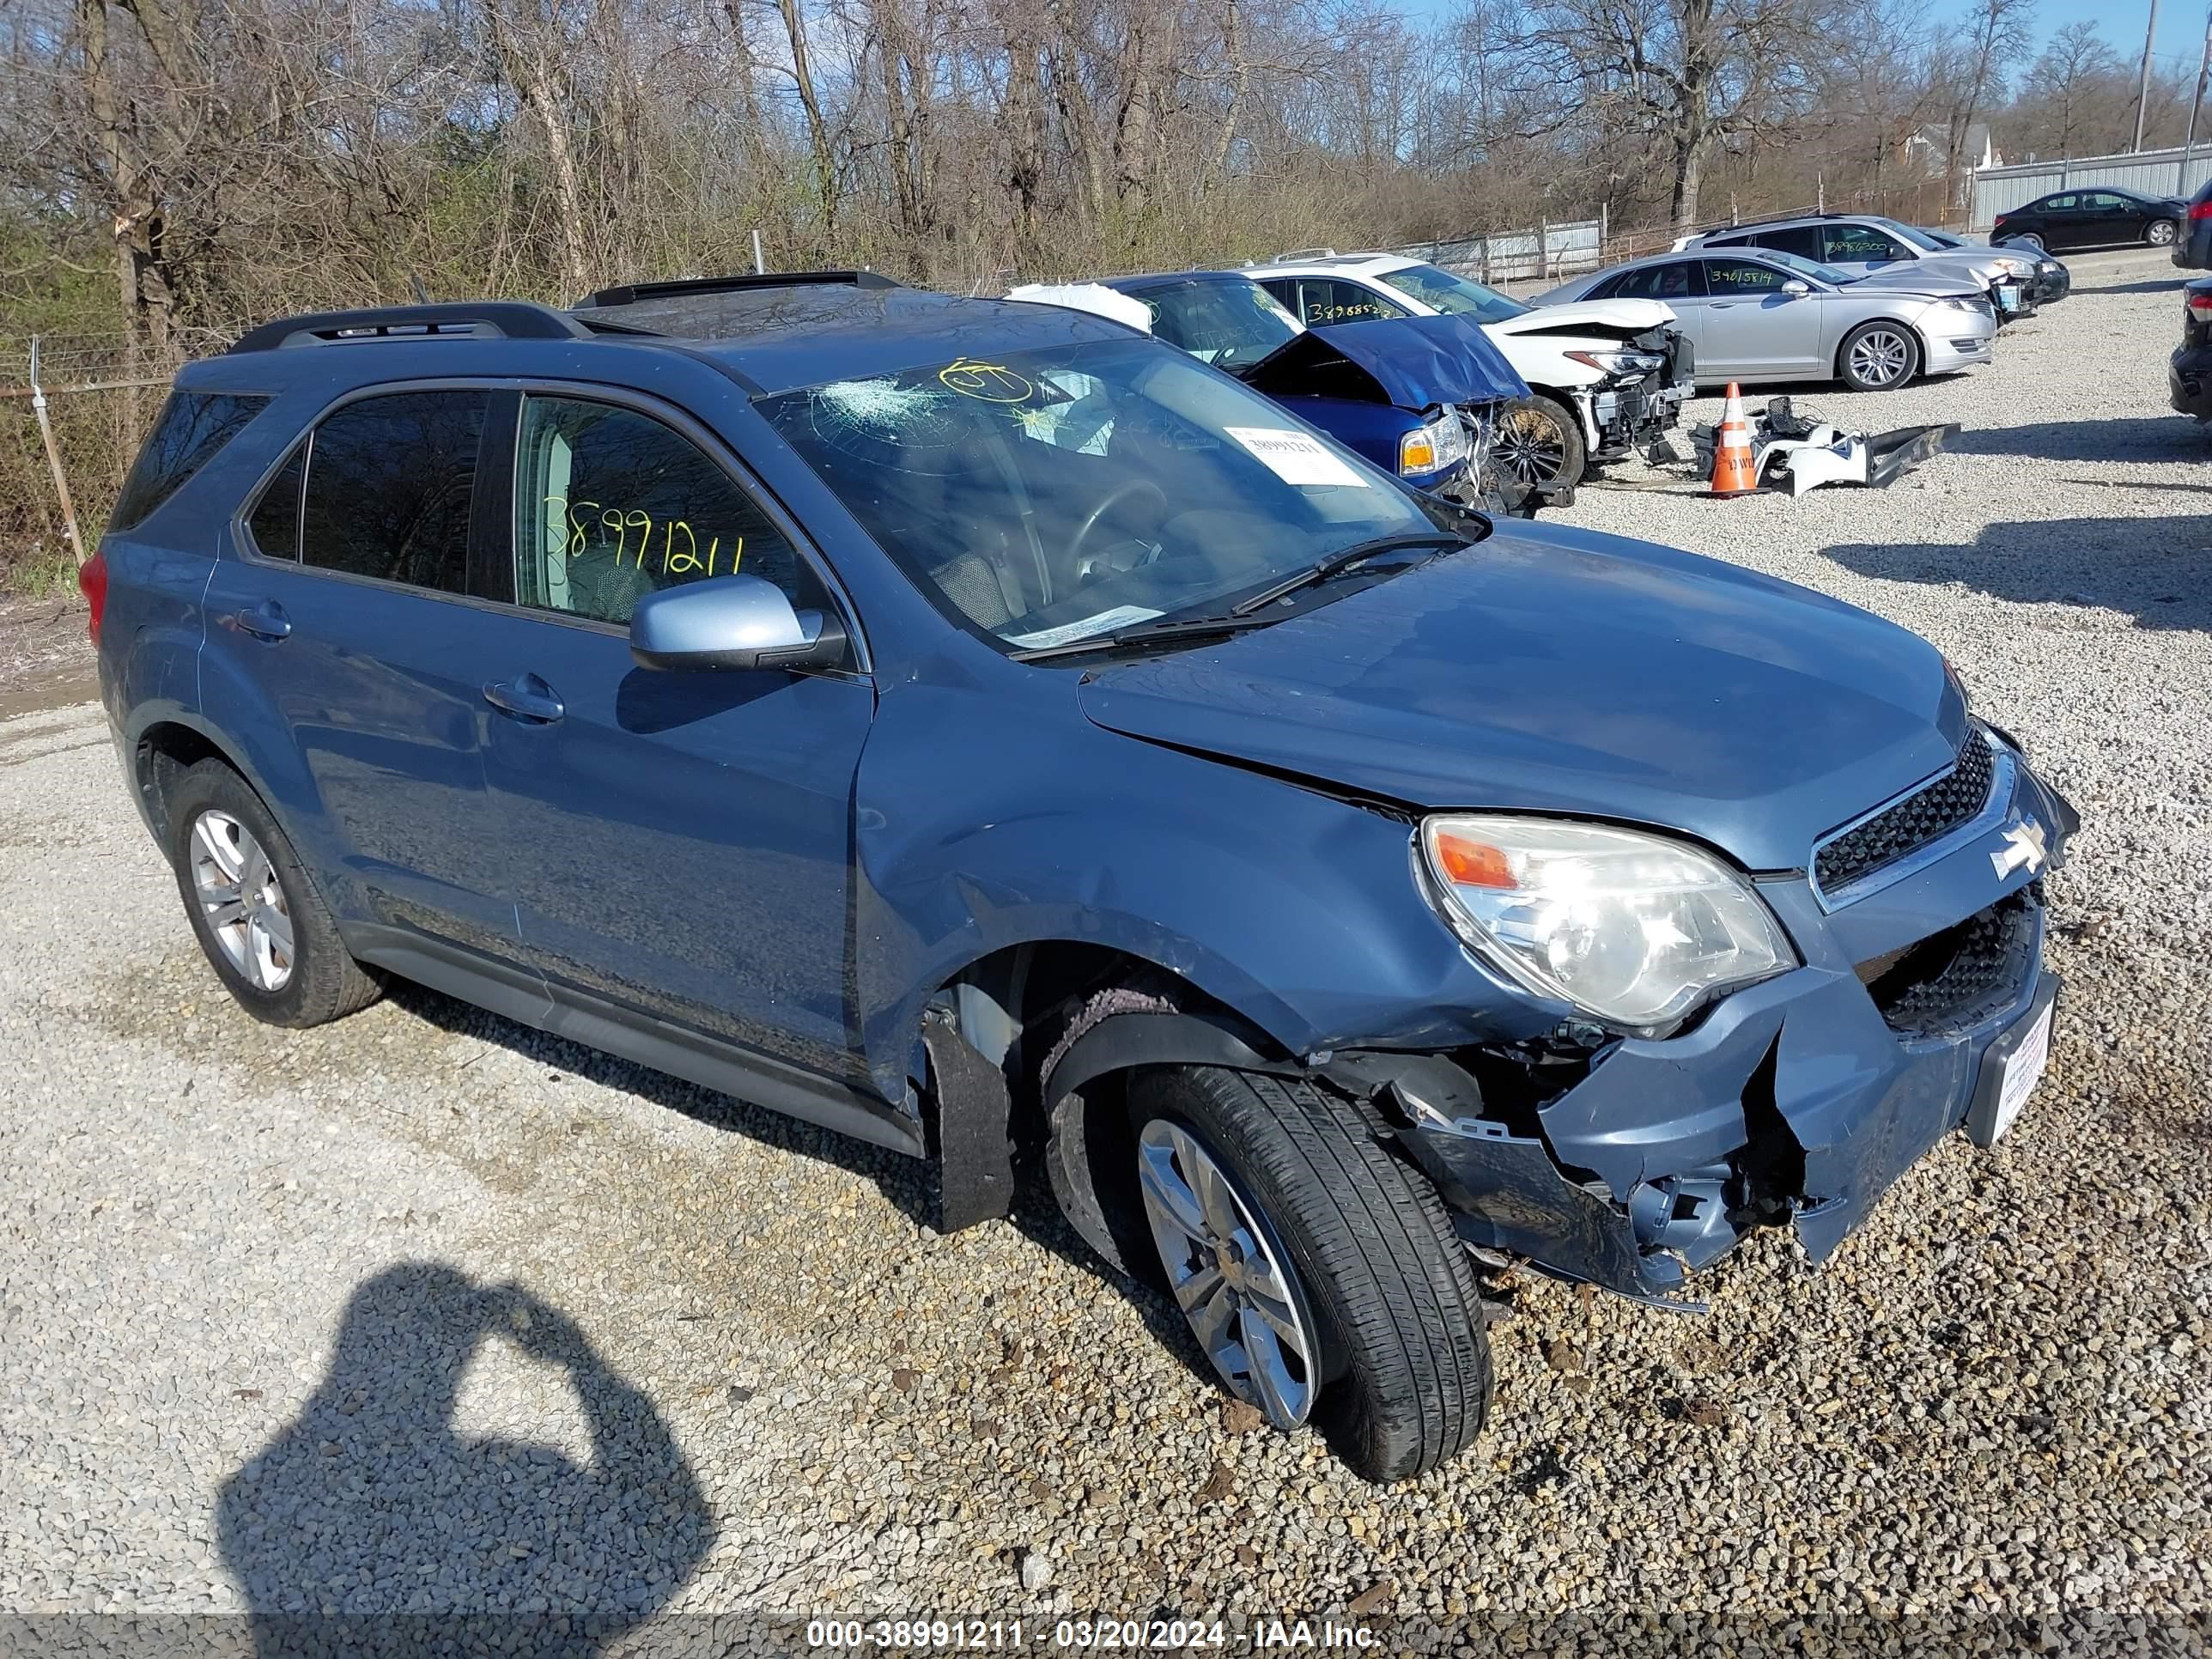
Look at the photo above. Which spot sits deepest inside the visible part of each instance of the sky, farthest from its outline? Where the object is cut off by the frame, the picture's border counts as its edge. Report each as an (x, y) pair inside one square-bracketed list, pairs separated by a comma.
[(2180, 24), (2180, 27)]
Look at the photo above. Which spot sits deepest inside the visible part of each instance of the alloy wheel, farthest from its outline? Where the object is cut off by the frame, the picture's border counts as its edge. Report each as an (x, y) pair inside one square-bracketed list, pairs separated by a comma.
[(2160, 234), (1241, 1296), (1881, 357), (242, 900), (1530, 446)]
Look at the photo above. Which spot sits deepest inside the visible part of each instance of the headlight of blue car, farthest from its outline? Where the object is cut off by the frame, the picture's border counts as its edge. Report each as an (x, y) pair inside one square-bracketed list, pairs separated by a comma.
[(1440, 442), (1635, 930)]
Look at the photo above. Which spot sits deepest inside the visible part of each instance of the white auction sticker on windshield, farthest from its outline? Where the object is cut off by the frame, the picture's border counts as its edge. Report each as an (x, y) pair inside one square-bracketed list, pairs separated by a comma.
[(1104, 622), (1296, 458)]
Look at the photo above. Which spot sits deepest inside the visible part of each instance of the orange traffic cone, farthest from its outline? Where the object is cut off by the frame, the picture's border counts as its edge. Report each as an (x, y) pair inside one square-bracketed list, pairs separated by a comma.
[(1735, 473)]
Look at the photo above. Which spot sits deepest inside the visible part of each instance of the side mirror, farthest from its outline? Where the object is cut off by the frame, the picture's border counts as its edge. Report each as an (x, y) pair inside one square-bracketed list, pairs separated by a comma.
[(1793, 288), (732, 623)]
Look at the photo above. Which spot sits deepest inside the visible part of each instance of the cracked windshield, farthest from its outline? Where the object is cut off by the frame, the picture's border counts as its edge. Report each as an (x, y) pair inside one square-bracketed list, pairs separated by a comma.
[(1047, 496)]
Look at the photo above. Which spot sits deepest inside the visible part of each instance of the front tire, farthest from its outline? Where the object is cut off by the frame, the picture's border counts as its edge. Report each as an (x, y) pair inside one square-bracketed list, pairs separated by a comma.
[(264, 926), (1319, 1274), (1878, 356), (1538, 441), (2160, 233)]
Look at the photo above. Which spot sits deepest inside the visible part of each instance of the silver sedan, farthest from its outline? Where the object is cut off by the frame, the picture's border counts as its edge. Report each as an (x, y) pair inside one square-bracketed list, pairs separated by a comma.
[(1760, 314)]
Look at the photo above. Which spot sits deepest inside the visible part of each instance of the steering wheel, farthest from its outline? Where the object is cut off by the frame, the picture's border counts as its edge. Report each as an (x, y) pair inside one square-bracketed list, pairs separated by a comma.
[(1114, 498)]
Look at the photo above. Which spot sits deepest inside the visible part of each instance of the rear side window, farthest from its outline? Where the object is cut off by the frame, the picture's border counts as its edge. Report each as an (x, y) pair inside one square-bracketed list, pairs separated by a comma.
[(1678, 281), (275, 520), (611, 506), (191, 426), (390, 481), (1803, 241)]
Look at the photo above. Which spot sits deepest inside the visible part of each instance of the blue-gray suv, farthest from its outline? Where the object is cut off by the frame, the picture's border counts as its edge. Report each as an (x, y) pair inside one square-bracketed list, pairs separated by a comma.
[(993, 734)]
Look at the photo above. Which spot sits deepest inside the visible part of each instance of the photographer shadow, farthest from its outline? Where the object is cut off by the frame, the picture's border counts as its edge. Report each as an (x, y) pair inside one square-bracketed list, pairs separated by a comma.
[(371, 1526)]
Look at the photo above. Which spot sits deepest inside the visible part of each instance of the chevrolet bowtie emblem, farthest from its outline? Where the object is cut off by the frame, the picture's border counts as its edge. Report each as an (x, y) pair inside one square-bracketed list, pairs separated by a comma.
[(2024, 848)]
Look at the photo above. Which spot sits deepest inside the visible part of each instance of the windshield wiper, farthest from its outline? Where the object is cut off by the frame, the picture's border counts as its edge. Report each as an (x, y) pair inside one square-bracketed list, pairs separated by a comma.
[(1243, 616), (1342, 561), (1167, 628)]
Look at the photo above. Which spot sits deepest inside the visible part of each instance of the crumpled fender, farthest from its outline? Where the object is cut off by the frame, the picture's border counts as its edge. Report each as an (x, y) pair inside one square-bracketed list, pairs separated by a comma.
[(983, 822)]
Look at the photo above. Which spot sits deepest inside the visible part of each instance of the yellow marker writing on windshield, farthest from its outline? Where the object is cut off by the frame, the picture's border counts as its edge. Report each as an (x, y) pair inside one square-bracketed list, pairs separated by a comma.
[(994, 383)]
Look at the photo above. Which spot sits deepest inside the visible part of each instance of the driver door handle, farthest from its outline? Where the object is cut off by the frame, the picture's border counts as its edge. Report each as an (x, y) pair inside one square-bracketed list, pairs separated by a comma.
[(527, 698), (265, 621)]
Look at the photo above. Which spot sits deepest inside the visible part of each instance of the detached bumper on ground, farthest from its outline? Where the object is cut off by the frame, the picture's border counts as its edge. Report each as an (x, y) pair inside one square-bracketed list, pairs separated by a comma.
[(1795, 1102)]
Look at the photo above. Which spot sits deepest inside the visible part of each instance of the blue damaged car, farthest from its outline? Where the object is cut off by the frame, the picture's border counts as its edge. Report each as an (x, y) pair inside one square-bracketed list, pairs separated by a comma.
[(993, 734), (1418, 396)]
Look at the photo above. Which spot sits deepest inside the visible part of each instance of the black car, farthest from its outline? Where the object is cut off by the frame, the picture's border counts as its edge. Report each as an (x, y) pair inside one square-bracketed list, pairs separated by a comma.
[(2104, 217), (2192, 249), (2189, 371)]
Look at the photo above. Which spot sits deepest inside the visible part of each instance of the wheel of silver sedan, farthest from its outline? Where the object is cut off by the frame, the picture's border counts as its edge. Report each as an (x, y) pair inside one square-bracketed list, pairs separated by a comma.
[(1240, 1295), (236, 885), (1881, 357)]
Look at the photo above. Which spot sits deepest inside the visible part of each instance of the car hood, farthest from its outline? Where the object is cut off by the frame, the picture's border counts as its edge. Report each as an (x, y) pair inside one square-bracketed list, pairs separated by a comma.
[(1551, 669), (1606, 319), (1914, 278), (1414, 362)]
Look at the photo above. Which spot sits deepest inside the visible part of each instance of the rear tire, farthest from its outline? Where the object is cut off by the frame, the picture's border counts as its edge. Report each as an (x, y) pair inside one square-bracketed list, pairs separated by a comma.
[(1397, 1369), (1538, 439), (1878, 356), (2160, 233), (264, 926)]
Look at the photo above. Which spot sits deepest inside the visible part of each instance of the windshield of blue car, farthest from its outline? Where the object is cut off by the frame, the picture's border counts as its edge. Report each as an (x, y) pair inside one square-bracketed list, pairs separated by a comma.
[(1230, 324), (1804, 267), (1440, 290), (1043, 496)]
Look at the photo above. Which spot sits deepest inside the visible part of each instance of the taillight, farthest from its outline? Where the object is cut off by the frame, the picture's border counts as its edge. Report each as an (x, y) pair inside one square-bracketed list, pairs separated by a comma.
[(92, 583), (2200, 306), (2200, 210)]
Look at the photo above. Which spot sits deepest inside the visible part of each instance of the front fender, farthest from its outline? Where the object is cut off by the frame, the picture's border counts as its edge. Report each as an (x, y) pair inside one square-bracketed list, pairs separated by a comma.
[(984, 821)]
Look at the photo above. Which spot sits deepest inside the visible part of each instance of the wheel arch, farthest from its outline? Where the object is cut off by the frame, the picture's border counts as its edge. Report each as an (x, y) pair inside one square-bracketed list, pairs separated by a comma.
[(1911, 331), (163, 751), (1025, 1042)]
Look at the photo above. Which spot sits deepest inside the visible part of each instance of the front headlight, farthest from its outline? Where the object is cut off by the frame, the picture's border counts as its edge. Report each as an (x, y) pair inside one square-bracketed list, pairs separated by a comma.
[(1617, 363), (1438, 443), (1636, 930)]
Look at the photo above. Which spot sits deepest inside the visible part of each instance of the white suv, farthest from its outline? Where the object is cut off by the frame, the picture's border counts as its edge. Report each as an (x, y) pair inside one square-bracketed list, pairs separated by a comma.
[(1605, 376)]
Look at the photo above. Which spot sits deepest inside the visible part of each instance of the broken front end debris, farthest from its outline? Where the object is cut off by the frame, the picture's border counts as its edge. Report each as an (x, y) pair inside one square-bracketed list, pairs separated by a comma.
[(1634, 1162)]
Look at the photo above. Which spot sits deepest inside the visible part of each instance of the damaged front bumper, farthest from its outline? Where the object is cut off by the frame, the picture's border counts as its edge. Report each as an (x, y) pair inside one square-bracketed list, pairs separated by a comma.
[(1798, 1101), (1633, 412)]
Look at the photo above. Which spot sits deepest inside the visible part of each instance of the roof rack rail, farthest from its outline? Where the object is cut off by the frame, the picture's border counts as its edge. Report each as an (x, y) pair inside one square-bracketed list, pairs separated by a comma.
[(631, 293), (1298, 253), (481, 319)]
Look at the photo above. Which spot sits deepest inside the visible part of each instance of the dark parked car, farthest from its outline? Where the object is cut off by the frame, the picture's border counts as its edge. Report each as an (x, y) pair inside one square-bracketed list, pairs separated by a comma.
[(986, 731), (2189, 371), (2192, 248), (2101, 217)]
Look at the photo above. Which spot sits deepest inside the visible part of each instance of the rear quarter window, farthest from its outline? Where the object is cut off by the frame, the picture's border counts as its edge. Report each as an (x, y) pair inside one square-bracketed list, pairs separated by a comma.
[(191, 426), (390, 488)]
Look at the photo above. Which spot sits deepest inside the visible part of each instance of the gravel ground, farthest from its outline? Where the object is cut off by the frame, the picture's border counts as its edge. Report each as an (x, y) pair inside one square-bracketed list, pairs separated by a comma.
[(426, 1312)]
